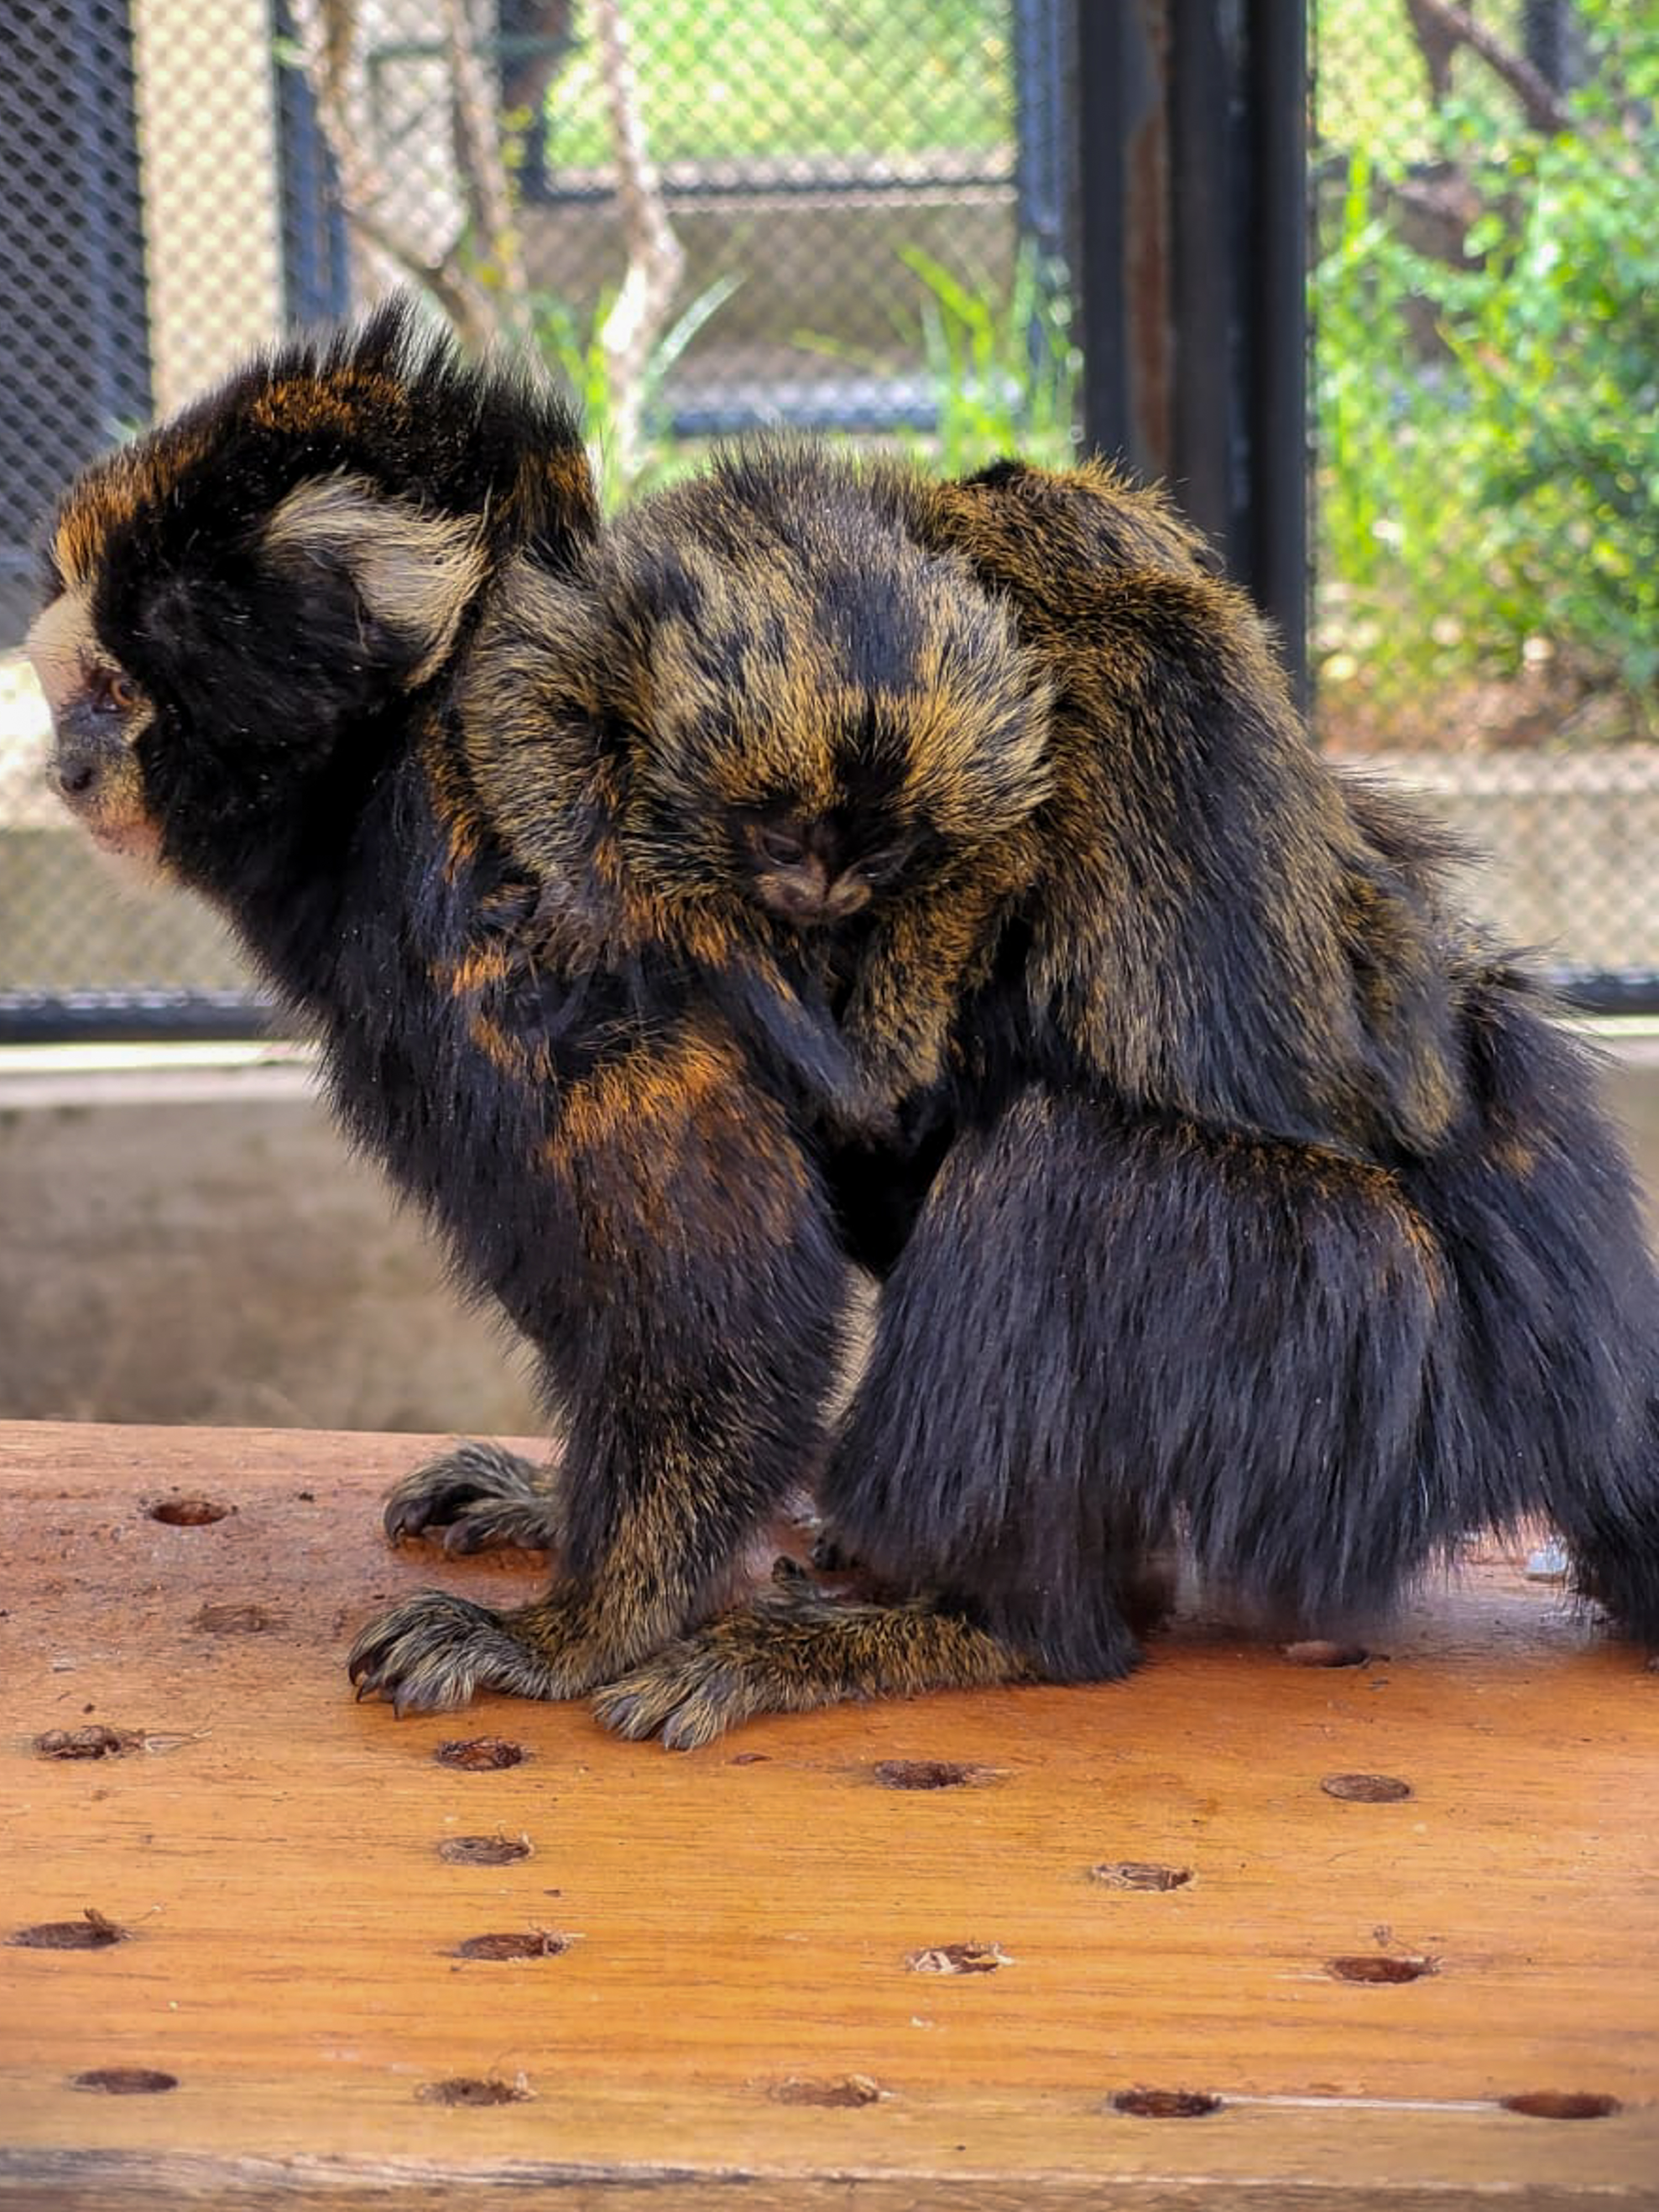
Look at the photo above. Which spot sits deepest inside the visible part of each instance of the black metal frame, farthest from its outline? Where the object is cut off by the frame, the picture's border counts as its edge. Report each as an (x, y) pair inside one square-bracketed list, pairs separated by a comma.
[(37, 1018), (316, 263), (1193, 231), (1187, 187)]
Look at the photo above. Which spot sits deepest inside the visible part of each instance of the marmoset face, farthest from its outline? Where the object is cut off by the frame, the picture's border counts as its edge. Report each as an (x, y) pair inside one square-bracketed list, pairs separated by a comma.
[(820, 871), (825, 717), (99, 713)]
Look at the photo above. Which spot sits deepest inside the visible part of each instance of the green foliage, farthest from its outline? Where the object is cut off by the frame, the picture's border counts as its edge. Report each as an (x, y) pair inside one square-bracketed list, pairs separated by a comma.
[(1002, 363), (1497, 496), (1558, 340), (574, 350), (1004, 370), (729, 80)]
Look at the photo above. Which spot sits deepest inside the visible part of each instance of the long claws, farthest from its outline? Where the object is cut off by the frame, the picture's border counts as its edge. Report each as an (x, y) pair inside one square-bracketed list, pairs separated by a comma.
[(486, 1524), (434, 1651), (474, 1497), (429, 1654)]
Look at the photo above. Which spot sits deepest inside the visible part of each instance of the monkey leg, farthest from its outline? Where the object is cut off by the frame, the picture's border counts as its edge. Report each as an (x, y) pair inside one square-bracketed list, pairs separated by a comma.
[(1101, 1331), (791, 1649), (1106, 1330), (475, 1497), (965, 1470), (691, 1359), (1534, 1205)]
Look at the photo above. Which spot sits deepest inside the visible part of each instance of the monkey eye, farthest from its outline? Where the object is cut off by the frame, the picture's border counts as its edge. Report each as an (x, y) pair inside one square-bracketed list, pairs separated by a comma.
[(784, 847), (116, 688)]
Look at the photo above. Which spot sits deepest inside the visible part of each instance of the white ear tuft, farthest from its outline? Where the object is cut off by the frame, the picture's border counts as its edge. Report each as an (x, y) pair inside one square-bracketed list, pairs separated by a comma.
[(416, 572)]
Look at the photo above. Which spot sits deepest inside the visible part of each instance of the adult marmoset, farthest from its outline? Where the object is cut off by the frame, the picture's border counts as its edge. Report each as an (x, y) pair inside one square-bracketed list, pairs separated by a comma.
[(628, 1127), (1261, 1203)]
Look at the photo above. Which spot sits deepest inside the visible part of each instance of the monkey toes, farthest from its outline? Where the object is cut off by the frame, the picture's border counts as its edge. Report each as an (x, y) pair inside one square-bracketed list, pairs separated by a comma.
[(770, 1657), (688, 1695), (434, 1651), (475, 1497)]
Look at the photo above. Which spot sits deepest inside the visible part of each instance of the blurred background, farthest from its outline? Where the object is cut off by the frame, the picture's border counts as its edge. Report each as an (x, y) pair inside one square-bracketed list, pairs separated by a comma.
[(1373, 288)]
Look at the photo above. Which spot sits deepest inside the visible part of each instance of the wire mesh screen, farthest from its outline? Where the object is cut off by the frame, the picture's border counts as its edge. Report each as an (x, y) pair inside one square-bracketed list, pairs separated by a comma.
[(705, 215), (853, 216), (1486, 290)]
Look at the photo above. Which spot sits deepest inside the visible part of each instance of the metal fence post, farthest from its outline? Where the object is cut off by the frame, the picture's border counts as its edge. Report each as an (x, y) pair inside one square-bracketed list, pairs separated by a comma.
[(1192, 256)]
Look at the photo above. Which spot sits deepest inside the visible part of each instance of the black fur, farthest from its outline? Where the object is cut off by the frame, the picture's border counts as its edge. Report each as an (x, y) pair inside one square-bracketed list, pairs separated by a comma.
[(1262, 1208), (1226, 1187)]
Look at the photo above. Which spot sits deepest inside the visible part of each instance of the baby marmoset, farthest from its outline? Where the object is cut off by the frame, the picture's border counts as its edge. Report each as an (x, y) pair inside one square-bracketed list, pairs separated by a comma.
[(1254, 1199), (757, 725)]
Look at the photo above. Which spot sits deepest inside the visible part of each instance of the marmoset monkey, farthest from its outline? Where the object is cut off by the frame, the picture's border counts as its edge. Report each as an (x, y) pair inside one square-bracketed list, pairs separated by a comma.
[(256, 653), (1251, 1198), (819, 865), (1296, 1223)]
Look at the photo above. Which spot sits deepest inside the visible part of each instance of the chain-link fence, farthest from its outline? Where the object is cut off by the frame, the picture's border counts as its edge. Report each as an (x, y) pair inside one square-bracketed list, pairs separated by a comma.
[(858, 216), (1486, 290), (841, 215)]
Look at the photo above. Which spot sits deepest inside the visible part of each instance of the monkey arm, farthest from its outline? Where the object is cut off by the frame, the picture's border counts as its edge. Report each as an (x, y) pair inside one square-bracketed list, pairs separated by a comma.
[(690, 1332), (921, 961)]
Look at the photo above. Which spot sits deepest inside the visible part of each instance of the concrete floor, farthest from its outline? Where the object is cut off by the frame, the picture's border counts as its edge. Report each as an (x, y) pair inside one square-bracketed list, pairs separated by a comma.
[(185, 1238)]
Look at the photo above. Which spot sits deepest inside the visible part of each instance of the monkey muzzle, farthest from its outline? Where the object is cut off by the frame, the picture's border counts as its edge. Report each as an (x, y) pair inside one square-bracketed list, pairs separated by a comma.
[(85, 751), (94, 772), (811, 897)]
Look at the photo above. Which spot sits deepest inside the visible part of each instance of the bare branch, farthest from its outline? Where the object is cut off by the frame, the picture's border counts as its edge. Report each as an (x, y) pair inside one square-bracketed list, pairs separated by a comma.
[(1435, 45), (1441, 28), (475, 129), (477, 278), (656, 262)]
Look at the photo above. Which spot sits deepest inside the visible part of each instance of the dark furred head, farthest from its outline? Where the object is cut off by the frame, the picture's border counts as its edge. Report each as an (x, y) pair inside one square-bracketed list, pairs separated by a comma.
[(792, 704), (246, 605)]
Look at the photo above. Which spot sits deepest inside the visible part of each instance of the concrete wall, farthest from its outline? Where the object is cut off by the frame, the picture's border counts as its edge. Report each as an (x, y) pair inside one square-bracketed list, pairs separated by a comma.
[(192, 1244)]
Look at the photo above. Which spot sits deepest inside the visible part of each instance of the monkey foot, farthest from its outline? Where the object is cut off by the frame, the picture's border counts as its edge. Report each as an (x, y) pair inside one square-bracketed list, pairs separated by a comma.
[(691, 1692), (790, 1651), (434, 1651), (475, 1497)]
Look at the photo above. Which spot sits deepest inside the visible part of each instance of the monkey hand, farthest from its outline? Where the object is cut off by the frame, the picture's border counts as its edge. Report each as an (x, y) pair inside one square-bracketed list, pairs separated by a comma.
[(860, 1114), (477, 1497)]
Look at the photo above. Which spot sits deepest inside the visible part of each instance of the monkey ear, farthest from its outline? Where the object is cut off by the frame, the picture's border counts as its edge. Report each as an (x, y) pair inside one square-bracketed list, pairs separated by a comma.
[(416, 574)]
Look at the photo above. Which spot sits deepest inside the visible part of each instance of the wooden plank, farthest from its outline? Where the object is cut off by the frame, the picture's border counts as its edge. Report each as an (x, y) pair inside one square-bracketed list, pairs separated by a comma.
[(727, 2005)]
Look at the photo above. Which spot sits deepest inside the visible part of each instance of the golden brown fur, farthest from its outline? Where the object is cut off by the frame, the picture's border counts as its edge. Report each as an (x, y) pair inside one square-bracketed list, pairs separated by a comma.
[(820, 866), (763, 640)]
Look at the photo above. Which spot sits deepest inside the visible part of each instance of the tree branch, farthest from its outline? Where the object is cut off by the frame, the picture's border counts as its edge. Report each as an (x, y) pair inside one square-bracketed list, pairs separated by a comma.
[(1441, 28), (475, 133), (478, 278), (656, 261)]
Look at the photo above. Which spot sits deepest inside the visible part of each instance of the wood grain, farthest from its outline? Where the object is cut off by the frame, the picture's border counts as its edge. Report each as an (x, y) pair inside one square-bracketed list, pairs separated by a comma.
[(737, 2011)]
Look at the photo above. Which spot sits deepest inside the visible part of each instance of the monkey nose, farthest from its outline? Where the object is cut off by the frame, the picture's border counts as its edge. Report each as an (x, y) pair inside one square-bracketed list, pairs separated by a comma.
[(76, 775), (804, 906)]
